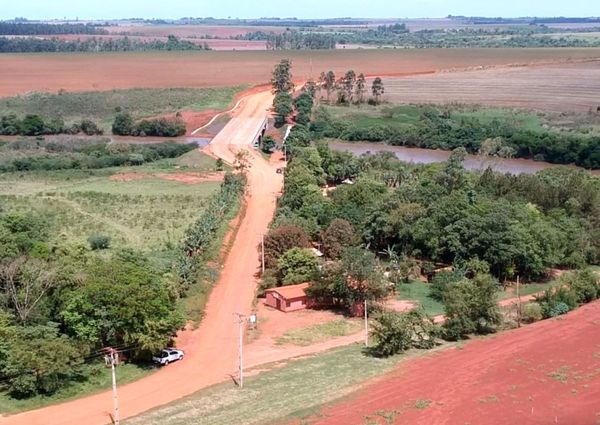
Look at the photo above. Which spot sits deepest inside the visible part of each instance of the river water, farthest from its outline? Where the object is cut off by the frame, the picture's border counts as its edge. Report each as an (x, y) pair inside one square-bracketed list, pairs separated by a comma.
[(428, 156)]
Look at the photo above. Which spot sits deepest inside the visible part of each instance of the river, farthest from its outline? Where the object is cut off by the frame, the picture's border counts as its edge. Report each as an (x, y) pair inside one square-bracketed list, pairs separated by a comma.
[(428, 156)]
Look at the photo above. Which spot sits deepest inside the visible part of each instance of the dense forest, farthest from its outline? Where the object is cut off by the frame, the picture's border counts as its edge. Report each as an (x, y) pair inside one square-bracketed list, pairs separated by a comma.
[(124, 44)]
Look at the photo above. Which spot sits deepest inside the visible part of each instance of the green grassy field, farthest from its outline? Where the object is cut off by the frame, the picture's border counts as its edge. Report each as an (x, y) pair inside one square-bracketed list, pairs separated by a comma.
[(148, 214), (99, 379), (100, 106), (419, 291), (293, 391), (401, 115)]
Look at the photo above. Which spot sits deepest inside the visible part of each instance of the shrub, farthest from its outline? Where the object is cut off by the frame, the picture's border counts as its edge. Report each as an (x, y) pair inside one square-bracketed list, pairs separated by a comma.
[(281, 239), (532, 312), (558, 309), (297, 265), (395, 332), (98, 242)]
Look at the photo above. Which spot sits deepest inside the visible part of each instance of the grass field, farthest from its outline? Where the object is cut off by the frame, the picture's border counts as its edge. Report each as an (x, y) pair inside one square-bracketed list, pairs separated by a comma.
[(99, 380), (148, 214), (99, 106), (293, 391), (401, 115), (419, 291), (320, 332)]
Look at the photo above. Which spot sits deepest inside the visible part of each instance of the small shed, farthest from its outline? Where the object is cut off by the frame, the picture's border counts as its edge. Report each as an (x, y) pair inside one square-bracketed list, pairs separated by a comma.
[(288, 298)]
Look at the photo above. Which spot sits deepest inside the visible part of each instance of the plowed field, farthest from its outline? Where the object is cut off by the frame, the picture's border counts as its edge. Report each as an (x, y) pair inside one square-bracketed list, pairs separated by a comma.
[(545, 373), (22, 73)]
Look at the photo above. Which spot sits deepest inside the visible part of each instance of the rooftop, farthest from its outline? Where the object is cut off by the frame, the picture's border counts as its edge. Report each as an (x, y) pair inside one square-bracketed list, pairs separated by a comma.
[(291, 291)]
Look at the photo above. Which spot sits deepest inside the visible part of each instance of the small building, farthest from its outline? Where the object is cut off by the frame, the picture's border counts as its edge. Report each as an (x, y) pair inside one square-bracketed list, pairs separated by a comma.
[(288, 298)]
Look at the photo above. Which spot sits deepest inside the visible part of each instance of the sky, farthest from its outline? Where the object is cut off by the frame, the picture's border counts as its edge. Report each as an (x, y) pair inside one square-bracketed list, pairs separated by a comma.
[(112, 9)]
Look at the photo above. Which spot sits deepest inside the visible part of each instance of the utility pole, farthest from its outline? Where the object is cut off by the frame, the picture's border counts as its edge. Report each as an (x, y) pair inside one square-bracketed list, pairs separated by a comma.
[(262, 251), (366, 326), (112, 356), (241, 320), (518, 303)]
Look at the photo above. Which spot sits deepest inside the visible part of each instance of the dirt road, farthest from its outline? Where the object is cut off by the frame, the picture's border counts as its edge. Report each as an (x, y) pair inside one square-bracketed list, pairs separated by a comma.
[(211, 350)]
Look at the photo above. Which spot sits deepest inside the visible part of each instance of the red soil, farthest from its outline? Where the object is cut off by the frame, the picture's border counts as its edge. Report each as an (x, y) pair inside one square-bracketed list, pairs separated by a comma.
[(544, 373), (105, 71)]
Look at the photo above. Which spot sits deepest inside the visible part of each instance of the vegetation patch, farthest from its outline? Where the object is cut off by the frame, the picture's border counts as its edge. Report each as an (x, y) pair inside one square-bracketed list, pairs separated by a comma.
[(318, 333)]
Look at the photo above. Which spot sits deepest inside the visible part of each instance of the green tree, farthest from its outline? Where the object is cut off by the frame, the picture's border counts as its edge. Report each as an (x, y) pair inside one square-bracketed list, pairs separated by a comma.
[(338, 236), (32, 125), (347, 87), (282, 104), (267, 144), (282, 239), (360, 90), (41, 361), (471, 306), (297, 265), (377, 90), (396, 332), (121, 302), (281, 78), (123, 124), (329, 84)]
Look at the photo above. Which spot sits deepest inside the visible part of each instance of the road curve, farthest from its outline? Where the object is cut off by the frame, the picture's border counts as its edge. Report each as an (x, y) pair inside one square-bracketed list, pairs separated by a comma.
[(211, 350)]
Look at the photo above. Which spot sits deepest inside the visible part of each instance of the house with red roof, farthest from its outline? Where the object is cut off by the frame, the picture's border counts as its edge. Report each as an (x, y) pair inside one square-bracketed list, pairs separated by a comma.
[(288, 298)]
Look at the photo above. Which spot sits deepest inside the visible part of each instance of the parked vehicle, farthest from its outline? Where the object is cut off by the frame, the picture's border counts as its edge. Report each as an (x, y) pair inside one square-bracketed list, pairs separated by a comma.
[(167, 356)]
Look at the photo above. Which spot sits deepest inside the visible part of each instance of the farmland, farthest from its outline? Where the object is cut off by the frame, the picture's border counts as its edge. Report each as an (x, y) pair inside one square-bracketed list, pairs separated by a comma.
[(556, 88), (24, 73), (526, 376)]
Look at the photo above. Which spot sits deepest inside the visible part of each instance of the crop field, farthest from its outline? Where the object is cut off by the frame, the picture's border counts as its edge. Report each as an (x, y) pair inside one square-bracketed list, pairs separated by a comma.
[(556, 88), (25, 73), (148, 210), (99, 106), (189, 31)]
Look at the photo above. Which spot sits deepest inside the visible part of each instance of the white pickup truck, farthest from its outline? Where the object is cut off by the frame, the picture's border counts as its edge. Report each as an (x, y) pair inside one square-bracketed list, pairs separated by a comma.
[(167, 356)]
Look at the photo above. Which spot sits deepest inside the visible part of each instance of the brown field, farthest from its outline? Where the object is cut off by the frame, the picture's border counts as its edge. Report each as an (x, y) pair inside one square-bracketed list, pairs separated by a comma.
[(22, 73), (555, 88), (545, 373), (199, 31)]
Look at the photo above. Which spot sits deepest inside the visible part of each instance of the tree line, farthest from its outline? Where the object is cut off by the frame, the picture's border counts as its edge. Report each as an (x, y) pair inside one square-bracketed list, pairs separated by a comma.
[(349, 88), (17, 28), (439, 129), (124, 44), (35, 125), (42, 155), (124, 125)]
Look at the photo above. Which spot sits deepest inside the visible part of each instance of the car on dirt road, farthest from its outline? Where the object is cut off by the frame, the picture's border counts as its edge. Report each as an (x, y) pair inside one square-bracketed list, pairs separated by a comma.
[(167, 356)]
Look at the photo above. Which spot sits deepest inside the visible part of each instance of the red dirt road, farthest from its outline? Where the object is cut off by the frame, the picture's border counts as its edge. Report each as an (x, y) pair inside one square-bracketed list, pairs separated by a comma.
[(545, 373), (211, 350)]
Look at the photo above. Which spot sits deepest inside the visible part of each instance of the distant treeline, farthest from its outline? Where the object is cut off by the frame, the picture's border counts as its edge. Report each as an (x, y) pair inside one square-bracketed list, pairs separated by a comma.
[(12, 28), (124, 125), (479, 20), (271, 22), (125, 44), (34, 125)]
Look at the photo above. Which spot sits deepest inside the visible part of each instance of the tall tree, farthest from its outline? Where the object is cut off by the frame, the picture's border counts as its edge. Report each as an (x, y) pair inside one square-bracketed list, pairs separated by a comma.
[(377, 89), (360, 89), (348, 86), (329, 83), (281, 79)]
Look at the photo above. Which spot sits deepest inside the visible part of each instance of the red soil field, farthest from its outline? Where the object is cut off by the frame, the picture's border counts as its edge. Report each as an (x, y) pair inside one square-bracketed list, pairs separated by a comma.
[(22, 73), (545, 373), (557, 88)]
